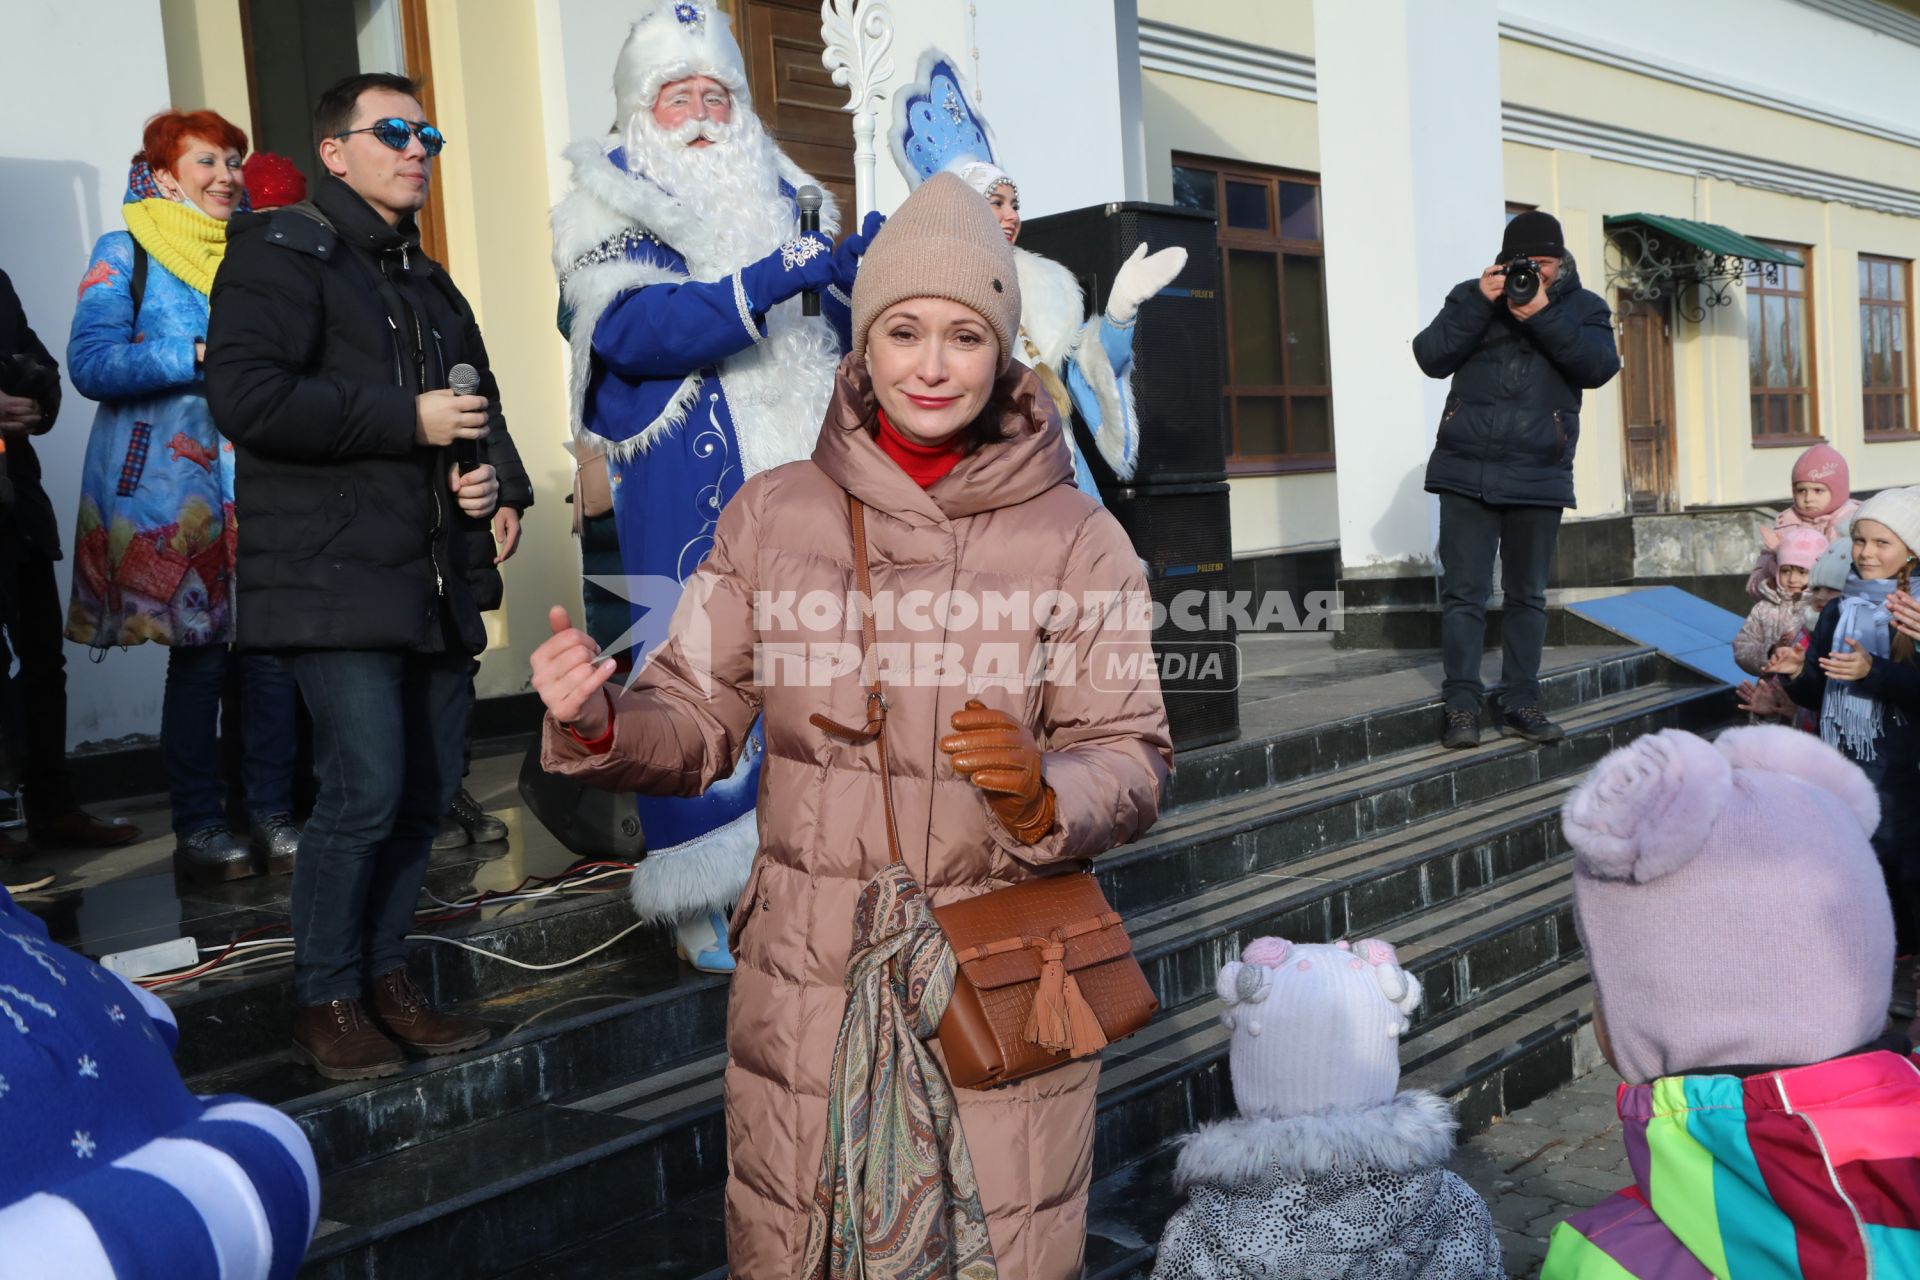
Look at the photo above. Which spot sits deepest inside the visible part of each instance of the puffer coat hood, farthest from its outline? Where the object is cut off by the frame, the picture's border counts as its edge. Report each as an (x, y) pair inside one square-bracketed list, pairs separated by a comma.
[(1512, 419), (1008, 522)]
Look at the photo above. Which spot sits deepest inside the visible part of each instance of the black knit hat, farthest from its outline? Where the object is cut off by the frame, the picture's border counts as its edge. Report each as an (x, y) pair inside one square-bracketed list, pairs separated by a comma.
[(1534, 234)]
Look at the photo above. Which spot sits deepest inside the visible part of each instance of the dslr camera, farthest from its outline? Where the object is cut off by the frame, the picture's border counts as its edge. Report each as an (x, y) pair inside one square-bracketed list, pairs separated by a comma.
[(1523, 279)]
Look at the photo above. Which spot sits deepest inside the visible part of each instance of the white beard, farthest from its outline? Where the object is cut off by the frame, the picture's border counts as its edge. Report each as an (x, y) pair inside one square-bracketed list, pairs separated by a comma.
[(732, 186), (721, 209)]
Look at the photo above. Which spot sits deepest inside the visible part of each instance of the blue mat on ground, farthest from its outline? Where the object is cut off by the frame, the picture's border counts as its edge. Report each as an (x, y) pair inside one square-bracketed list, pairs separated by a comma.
[(1686, 628)]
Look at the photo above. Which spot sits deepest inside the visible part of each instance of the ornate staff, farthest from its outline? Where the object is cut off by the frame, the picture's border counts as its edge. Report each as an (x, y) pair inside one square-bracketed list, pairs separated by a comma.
[(859, 38)]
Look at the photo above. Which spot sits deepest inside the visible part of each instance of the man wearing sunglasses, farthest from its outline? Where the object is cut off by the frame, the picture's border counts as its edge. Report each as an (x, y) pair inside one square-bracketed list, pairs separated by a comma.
[(328, 357)]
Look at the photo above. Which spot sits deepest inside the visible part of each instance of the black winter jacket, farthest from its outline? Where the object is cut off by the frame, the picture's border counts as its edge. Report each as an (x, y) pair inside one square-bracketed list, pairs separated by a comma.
[(1512, 420), (29, 529), (323, 331)]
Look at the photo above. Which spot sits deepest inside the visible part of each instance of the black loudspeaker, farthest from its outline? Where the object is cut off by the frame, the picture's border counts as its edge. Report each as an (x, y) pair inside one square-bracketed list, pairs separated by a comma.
[(1182, 532), (1177, 361)]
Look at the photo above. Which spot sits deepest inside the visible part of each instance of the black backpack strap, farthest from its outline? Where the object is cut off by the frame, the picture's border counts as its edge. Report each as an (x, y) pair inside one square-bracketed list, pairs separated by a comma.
[(137, 282)]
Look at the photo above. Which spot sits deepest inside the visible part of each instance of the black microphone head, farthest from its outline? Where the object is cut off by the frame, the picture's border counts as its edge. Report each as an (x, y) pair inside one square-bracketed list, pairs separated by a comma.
[(463, 380), (809, 198)]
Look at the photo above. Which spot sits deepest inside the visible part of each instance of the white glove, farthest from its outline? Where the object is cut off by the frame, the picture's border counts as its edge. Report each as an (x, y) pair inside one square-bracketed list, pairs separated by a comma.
[(1139, 278)]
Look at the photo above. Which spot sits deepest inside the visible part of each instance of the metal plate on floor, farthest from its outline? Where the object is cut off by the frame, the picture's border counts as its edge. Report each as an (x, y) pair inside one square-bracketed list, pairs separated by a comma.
[(1686, 628)]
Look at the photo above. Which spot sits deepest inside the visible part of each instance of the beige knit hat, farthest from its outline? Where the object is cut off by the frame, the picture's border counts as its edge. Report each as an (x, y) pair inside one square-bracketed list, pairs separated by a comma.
[(944, 242)]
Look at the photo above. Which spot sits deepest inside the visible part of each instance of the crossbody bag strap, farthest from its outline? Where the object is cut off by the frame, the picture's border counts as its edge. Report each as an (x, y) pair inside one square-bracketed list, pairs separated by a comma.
[(876, 727)]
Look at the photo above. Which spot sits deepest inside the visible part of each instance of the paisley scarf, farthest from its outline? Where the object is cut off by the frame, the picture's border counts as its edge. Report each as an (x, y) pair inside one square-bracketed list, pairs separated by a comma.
[(891, 1112), (180, 238), (1849, 719)]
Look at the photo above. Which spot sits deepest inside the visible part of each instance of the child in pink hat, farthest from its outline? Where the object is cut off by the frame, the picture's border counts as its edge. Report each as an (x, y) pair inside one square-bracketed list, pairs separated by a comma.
[(1822, 501), (1776, 619)]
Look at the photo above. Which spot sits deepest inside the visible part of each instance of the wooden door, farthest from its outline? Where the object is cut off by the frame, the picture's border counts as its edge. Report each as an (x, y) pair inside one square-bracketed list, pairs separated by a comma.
[(1646, 398), (794, 94)]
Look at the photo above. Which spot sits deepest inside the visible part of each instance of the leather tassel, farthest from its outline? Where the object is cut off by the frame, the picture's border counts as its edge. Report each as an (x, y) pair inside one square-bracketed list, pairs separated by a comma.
[(1048, 1025), (1062, 1021), (1088, 1037)]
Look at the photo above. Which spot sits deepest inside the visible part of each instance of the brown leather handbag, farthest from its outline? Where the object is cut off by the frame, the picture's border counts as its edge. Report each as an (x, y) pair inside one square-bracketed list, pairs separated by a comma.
[(1046, 970)]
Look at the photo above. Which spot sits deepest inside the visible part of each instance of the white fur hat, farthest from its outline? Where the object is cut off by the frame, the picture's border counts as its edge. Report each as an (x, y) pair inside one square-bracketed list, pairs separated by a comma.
[(675, 39), (1315, 1027)]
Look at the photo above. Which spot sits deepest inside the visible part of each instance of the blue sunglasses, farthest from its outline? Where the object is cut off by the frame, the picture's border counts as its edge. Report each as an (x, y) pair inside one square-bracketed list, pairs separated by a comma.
[(394, 132)]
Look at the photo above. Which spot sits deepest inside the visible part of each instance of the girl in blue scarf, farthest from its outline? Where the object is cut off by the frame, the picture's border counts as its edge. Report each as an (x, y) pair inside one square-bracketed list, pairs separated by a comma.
[(1861, 677)]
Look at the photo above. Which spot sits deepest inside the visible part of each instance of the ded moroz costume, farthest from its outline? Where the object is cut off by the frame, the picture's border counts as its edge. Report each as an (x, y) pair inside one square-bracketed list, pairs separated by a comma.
[(693, 369)]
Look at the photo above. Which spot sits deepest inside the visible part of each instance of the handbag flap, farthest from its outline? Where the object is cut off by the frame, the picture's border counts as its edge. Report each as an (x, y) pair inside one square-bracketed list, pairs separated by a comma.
[(998, 938)]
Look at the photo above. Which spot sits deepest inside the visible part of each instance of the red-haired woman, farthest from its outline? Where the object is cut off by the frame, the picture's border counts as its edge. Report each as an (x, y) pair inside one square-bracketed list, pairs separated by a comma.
[(155, 537)]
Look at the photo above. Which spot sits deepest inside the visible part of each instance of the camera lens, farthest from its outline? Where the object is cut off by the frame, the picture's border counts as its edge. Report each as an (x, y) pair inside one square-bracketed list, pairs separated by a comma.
[(1523, 282)]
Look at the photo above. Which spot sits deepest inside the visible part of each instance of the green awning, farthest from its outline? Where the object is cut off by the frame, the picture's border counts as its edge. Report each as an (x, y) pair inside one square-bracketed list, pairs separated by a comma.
[(1706, 236)]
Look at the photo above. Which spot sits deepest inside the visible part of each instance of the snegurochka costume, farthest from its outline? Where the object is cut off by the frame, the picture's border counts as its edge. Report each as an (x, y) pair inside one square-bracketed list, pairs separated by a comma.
[(1085, 362), (693, 369)]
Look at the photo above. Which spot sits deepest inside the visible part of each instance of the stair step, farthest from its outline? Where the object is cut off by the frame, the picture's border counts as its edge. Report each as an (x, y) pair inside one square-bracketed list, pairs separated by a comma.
[(652, 1141), (1130, 1205), (672, 1016), (603, 1091)]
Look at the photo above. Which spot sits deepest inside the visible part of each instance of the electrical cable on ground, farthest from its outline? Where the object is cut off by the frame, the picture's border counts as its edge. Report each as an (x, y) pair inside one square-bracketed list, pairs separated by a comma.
[(249, 948)]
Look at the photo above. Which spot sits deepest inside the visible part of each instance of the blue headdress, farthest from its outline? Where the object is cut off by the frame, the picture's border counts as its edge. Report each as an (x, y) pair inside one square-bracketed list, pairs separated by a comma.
[(934, 123)]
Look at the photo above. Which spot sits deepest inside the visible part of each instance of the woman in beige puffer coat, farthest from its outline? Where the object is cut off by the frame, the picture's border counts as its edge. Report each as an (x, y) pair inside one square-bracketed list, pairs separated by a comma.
[(1006, 523)]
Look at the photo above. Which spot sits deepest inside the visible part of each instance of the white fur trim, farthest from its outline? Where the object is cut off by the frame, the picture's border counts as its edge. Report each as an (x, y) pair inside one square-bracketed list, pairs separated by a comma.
[(1115, 397), (1052, 308), (1413, 1131), (777, 390), (709, 871), (661, 49)]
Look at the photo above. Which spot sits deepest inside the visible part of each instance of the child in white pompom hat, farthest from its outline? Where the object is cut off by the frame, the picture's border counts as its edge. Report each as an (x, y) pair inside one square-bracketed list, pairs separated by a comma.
[(1329, 1171)]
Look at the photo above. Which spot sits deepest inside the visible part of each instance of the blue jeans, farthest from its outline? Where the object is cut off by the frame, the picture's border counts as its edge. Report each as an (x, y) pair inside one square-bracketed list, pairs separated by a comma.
[(189, 714), (1471, 533), (388, 733)]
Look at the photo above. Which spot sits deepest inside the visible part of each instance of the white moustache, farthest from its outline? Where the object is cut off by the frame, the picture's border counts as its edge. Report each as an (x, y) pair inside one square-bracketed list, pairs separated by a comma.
[(688, 132)]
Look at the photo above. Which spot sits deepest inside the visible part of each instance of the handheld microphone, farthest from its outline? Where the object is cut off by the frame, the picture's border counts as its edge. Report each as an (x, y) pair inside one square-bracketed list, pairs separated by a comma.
[(809, 199), (464, 380)]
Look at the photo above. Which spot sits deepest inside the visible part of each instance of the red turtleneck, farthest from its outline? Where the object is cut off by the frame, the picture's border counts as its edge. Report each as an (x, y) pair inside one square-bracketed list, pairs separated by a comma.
[(923, 463)]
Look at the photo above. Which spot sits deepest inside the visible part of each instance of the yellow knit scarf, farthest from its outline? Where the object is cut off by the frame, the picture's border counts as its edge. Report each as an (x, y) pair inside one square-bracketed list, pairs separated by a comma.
[(180, 238)]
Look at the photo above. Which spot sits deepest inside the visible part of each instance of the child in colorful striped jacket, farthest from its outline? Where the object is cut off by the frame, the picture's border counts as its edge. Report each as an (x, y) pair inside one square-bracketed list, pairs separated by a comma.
[(1741, 946)]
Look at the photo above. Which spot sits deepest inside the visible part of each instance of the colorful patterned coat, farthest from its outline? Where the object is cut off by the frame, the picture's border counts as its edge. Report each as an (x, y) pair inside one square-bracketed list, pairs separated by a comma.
[(1805, 1172), (154, 541)]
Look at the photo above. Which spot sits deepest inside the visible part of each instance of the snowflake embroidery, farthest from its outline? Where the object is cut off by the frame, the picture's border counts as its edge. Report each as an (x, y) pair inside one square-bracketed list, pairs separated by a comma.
[(956, 112), (89, 1069), (83, 1144), (689, 14), (795, 252), (4, 1086), (114, 1012)]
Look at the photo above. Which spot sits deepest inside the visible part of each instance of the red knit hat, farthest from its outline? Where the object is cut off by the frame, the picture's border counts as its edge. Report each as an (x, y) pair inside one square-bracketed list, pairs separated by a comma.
[(273, 180), (1822, 464)]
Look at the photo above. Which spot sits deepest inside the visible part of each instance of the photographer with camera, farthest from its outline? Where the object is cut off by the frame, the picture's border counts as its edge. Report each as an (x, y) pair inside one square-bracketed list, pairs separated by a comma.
[(33, 704), (1521, 342)]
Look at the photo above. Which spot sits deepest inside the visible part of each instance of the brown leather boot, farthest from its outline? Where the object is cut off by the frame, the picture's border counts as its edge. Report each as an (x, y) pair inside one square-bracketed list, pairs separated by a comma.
[(341, 1042), (403, 1011)]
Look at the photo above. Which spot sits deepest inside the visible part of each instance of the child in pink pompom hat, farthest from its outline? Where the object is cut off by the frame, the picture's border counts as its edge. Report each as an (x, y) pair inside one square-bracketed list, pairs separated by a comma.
[(1330, 1170), (1822, 501), (1777, 618), (1740, 940)]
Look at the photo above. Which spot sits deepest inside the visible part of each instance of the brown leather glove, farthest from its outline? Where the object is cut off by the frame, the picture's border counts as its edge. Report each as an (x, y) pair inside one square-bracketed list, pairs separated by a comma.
[(1001, 758)]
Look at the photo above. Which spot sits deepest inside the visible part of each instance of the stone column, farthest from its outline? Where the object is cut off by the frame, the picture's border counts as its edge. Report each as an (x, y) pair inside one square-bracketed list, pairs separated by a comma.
[(1411, 199)]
